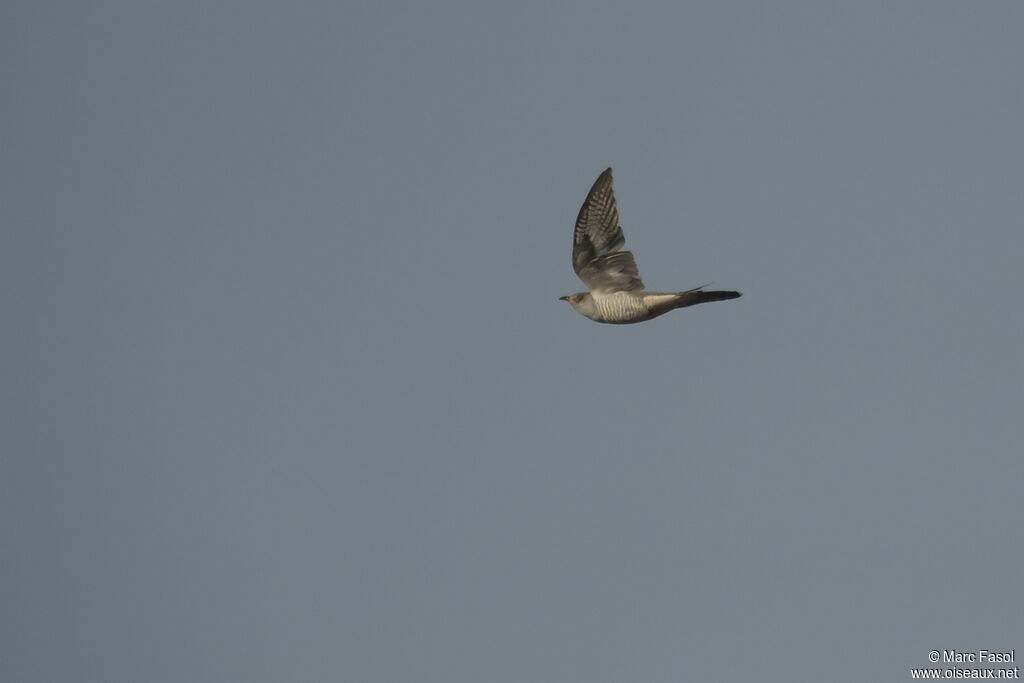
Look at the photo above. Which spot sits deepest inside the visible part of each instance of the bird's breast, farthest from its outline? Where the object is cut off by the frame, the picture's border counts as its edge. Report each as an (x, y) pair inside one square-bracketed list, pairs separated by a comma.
[(620, 307)]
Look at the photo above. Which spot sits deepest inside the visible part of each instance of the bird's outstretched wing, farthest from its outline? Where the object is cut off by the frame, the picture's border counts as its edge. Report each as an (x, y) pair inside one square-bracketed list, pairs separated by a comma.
[(597, 240)]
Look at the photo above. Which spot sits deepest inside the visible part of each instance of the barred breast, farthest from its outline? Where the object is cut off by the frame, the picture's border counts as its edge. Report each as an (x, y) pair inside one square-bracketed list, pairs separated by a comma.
[(620, 307)]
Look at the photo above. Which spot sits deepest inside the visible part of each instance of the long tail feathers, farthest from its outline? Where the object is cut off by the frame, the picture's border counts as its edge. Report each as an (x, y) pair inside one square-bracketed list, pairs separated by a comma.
[(698, 296)]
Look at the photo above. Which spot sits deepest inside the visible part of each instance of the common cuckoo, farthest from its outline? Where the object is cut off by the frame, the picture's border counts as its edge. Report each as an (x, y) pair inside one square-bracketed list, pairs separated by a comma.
[(617, 294)]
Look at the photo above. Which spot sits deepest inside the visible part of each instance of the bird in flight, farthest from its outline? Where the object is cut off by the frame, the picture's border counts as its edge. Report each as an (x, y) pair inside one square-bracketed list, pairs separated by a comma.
[(617, 294)]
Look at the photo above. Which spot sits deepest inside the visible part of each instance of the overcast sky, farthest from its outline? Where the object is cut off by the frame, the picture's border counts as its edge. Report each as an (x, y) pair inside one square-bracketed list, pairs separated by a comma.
[(288, 394)]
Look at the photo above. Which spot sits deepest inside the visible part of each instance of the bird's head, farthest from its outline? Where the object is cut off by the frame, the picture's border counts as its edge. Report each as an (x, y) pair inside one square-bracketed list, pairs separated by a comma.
[(573, 299)]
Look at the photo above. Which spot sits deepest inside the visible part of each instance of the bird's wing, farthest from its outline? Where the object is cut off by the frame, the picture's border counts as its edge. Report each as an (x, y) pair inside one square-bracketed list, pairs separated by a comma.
[(597, 239), (615, 272)]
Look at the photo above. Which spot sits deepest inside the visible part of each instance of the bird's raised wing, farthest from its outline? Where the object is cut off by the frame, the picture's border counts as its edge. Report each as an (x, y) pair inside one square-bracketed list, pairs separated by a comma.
[(596, 242), (615, 272)]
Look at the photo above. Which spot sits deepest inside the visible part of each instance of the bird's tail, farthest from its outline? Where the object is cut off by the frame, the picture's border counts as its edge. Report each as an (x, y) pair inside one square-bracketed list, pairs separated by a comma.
[(692, 297)]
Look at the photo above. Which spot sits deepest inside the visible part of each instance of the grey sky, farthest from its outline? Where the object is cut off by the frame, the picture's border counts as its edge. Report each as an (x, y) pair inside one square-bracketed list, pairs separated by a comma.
[(288, 394)]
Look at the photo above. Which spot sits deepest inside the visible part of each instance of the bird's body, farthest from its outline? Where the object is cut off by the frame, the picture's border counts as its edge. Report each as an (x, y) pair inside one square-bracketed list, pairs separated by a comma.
[(617, 294), (621, 308)]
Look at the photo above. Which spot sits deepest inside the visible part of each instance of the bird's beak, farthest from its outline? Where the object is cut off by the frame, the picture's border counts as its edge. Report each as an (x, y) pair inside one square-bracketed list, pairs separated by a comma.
[(563, 298)]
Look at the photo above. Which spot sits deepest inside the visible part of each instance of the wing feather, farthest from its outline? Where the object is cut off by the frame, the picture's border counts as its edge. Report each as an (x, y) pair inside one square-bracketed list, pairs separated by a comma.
[(597, 240)]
